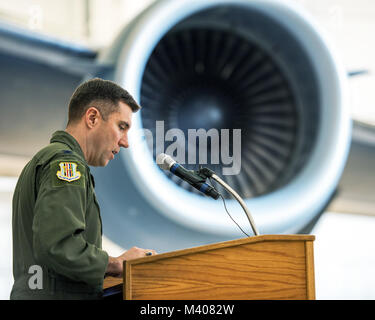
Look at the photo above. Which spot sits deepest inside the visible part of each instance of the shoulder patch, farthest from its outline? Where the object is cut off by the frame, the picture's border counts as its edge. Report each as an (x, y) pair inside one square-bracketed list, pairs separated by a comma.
[(68, 171)]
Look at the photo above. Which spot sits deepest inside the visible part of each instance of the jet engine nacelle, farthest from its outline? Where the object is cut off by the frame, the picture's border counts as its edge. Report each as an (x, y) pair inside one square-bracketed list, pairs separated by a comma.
[(261, 67)]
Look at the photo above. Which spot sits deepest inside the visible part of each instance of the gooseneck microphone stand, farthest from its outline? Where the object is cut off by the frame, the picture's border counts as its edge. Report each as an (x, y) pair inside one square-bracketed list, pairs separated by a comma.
[(211, 174)]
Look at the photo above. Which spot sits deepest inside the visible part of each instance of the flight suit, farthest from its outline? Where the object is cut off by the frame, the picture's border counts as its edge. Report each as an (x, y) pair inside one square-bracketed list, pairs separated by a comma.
[(57, 228)]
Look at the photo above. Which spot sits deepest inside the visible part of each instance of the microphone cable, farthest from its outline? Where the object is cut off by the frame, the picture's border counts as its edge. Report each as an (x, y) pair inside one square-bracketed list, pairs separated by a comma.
[(225, 206)]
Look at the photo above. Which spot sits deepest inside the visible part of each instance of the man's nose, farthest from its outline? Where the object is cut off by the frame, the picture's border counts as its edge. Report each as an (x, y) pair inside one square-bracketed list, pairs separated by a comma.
[(124, 142)]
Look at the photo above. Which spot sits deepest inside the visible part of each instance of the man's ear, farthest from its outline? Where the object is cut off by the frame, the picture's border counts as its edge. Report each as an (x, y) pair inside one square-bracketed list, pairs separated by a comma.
[(92, 117)]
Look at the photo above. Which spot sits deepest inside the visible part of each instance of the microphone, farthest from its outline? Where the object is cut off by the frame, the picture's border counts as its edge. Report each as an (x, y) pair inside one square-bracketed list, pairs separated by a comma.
[(166, 162)]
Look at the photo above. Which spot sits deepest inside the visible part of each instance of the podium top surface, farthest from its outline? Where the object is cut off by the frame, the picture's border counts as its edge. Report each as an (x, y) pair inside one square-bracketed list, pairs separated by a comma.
[(220, 245)]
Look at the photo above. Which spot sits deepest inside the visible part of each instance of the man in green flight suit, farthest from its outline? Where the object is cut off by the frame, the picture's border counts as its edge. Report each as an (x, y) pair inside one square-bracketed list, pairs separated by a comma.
[(57, 229)]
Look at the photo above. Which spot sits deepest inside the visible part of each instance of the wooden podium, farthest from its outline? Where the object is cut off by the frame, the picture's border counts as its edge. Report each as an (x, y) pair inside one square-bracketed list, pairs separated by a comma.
[(261, 267)]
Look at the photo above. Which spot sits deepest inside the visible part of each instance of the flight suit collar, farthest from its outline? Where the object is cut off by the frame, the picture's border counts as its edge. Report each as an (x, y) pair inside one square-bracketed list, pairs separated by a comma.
[(66, 138)]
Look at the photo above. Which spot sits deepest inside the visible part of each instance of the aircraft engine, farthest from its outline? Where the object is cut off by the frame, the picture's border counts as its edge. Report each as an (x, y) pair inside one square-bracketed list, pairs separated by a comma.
[(250, 89)]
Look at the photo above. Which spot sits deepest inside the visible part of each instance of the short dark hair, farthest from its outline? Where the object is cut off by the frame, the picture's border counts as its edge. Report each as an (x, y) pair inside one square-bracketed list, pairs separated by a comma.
[(103, 94)]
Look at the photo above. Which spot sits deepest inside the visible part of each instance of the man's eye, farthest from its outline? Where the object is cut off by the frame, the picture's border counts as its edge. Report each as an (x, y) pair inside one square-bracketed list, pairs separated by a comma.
[(122, 128)]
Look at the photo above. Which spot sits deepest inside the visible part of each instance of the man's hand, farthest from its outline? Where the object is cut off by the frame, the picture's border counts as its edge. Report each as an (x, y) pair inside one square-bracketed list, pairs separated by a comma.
[(115, 265)]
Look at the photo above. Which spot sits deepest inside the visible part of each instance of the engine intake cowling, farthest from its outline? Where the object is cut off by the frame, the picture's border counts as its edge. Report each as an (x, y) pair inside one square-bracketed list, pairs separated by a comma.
[(261, 67)]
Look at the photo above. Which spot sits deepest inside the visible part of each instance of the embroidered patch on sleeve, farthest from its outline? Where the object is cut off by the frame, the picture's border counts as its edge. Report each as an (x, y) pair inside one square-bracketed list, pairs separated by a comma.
[(68, 171)]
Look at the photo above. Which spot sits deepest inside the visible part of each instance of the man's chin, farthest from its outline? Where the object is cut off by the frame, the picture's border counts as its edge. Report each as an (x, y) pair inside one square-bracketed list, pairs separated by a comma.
[(104, 164)]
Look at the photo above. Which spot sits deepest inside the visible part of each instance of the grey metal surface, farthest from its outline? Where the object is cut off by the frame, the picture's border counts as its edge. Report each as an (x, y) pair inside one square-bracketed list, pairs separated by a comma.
[(357, 184), (33, 103), (38, 76)]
